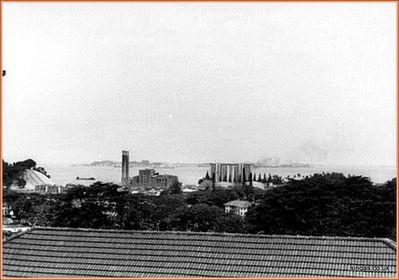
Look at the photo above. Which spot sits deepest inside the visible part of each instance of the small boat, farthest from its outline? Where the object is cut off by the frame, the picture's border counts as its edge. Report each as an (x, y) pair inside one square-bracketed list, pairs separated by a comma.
[(82, 178)]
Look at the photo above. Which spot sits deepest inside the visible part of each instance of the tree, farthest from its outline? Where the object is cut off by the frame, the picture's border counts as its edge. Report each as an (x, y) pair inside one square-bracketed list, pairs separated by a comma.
[(329, 204), (277, 180), (164, 208), (207, 176), (217, 197), (99, 206), (21, 182), (229, 222), (206, 218), (41, 170), (7, 176), (13, 173), (26, 164), (175, 188), (213, 180), (259, 178)]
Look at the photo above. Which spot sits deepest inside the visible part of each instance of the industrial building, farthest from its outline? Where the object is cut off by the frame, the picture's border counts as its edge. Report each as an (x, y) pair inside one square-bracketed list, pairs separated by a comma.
[(146, 179), (231, 172)]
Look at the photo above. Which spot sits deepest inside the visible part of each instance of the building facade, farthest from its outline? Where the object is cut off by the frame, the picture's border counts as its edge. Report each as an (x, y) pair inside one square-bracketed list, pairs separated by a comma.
[(54, 189), (148, 178), (238, 207)]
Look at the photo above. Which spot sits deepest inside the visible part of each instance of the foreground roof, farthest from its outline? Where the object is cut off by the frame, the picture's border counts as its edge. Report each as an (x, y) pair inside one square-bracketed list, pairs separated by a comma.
[(46, 252)]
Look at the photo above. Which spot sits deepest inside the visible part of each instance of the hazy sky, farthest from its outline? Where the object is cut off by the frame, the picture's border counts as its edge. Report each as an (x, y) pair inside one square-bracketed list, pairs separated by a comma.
[(200, 82)]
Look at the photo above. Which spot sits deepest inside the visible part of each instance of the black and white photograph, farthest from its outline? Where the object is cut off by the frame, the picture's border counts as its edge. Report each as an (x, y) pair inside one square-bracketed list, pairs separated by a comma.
[(199, 139)]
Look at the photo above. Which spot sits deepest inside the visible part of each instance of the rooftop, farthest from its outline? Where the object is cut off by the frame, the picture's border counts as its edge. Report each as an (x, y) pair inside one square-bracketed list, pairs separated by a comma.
[(46, 252), (238, 203)]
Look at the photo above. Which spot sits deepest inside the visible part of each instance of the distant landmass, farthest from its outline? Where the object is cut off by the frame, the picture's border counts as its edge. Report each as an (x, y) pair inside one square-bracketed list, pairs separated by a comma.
[(142, 163), (157, 164), (294, 165)]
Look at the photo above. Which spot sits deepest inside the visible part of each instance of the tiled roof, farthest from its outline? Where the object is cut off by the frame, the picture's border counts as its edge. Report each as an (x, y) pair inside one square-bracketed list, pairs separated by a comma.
[(46, 252), (238, 203)]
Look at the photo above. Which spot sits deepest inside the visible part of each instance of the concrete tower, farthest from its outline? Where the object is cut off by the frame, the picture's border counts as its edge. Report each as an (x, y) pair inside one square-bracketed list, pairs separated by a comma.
[(125, 168)]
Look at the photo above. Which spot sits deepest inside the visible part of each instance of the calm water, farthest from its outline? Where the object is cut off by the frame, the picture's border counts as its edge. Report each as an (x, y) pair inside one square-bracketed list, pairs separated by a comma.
[(63, 175)]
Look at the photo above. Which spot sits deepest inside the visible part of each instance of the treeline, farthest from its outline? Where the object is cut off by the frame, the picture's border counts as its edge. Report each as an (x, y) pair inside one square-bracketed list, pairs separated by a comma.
[(275, 179), (327, 204), (102, 206)]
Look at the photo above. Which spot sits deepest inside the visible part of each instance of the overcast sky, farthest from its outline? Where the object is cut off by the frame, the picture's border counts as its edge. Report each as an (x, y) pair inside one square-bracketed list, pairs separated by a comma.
[(200, 82)]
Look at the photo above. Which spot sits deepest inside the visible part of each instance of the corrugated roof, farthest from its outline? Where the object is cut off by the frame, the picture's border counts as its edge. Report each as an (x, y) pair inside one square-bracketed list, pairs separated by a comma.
[(46, 252), (36, 178), (33, 178)]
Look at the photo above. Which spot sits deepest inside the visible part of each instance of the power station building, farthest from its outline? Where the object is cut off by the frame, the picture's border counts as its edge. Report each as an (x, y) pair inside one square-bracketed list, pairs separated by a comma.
[(231, 172), (147, 178)]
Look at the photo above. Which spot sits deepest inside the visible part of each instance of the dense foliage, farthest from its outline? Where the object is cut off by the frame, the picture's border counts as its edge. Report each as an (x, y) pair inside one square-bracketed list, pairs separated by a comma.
[(13, 172), (327, 204)]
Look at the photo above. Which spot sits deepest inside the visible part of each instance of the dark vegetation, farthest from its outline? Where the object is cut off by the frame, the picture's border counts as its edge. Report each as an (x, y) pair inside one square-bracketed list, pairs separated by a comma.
[(322, 204), (275, 179), (12, 173), (329, 204)]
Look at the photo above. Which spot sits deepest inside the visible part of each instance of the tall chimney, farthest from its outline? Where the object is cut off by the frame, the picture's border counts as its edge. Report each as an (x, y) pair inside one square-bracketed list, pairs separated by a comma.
[(125, 168)]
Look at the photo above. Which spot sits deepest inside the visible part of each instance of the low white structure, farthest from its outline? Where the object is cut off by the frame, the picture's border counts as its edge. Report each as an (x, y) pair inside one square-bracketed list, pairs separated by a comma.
[(188, 190), (239, 207)]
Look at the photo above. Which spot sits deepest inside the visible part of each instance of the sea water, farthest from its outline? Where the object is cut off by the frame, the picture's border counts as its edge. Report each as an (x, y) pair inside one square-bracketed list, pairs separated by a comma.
[(63, 175)]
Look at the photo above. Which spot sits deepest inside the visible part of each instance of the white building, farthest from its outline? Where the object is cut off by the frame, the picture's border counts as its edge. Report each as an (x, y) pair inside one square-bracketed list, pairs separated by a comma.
[(239, 207)]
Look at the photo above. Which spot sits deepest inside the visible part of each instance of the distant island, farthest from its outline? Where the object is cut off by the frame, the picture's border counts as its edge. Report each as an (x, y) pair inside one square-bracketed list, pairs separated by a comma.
[(293, 165), (144, 163), (158, 164)]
